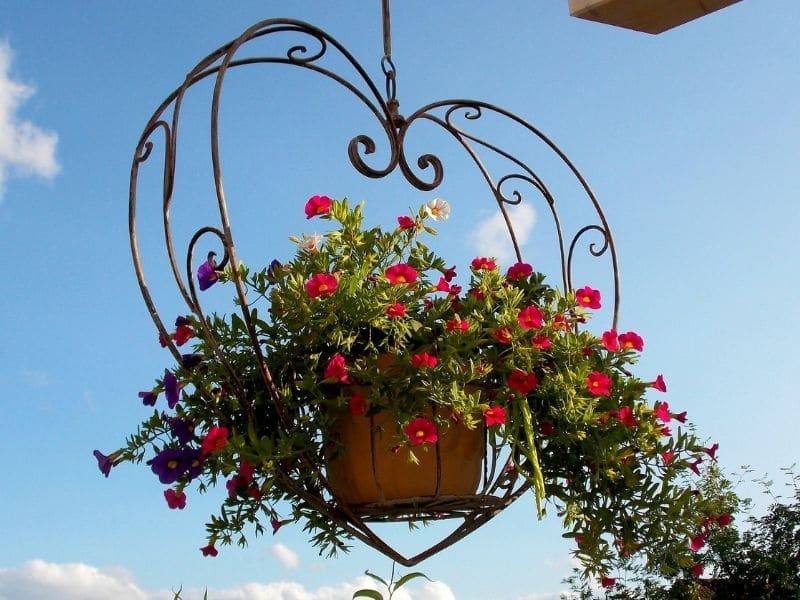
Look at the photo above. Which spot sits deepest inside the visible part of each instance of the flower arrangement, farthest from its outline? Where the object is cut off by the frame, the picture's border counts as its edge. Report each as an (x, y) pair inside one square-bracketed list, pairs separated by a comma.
[(506, 353)]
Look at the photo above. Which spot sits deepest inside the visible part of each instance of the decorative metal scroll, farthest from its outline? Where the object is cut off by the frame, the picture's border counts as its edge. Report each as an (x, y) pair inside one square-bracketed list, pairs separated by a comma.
[(500, 485)]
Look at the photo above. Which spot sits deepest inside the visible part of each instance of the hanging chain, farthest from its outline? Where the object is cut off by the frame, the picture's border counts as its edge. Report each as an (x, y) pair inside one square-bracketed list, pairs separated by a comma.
[(389, 70)]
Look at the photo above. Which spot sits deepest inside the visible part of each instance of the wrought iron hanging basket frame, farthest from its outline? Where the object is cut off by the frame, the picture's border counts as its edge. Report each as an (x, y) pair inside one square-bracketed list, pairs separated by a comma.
[(500, 487)]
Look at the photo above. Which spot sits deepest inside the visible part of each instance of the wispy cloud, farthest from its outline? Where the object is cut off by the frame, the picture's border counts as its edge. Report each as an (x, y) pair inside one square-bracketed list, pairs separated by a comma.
[(38, 579), (25, 149), (286, 556), (490, 237)]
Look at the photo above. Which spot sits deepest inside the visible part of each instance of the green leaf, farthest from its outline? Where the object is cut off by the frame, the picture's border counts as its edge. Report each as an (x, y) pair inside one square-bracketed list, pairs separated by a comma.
[(368, 594), (408, 577)]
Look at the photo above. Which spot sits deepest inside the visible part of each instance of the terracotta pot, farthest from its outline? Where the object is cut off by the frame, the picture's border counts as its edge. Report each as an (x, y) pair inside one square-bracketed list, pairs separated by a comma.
[(367, 468)]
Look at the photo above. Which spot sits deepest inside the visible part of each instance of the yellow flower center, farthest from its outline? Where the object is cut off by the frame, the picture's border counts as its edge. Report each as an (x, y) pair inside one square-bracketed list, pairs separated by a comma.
[(173, 464)]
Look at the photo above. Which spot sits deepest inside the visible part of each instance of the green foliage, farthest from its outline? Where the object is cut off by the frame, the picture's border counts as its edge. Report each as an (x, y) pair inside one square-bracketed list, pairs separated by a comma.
[(391, 586), (596, 456)]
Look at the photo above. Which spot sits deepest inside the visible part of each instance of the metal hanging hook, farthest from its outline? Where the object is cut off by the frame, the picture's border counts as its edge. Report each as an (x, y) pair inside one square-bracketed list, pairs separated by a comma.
[(389, 69)]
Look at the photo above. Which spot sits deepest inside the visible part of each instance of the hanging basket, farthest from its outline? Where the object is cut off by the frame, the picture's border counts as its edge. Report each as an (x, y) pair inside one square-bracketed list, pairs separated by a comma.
[(649, 16)]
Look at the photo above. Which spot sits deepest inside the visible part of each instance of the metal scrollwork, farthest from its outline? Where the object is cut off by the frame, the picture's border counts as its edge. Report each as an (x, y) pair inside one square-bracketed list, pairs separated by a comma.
[(516, 182)]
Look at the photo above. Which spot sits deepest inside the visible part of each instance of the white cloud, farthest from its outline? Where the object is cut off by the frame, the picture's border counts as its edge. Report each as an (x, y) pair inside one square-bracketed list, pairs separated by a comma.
[(24, 148), (40, 580), (287, 557), (491, 238)]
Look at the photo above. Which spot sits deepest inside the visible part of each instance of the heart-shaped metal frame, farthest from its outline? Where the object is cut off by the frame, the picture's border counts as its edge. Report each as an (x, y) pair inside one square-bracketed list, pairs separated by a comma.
[(500, 485)]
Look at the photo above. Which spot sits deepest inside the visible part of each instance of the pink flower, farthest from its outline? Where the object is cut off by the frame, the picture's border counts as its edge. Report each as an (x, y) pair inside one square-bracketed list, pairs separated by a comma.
[(610, 340), (395, 311), (494, 415), (357, 405), (695, 466), (661, 412), (519, 271), (321, 284), (541, 342), (631, 341), (608, 582), (423, 360), (697, 542), (209, 550), (175, 499), (458, 325), (626, 417), (530, 317), (483, 264), (697, 569), (659, 384), (667, 456), (680, 417), (503, 335), (421, 431), (216, 439), (598, 384), (317, 205), (522, 382), (336, 370), (406, 222), (588, 297), (401, 273)]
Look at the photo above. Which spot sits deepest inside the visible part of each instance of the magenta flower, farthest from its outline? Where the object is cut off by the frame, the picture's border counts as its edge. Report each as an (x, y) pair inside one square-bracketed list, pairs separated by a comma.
[(321, 284), (494, 415), (104, 463), (336, 370), (519, 271), (530, 317), (659, 384), (522, 382), (400, 274), (588, 297), (421, 431), (626, 417), (661, 412), (610, 340), (423, 360), (406, 222), (697, 542), (541, 342), (357, 405), (450, 273), (175, 499), (483, 263), (216, 439), (631, 341), (598, 384), (209, 550), (317, 205), (712, 451), (395, 311)]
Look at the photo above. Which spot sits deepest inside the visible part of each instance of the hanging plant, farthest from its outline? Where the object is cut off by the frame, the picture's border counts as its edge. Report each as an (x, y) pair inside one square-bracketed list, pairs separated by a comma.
[(368, 328)]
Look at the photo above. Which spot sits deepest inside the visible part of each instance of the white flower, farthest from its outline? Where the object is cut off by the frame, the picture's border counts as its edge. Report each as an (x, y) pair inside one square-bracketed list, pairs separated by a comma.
[(310, 242), (438, 209)]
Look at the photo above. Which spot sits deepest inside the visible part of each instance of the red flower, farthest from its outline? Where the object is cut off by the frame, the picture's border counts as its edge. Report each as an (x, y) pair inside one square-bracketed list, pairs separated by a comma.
[(503, 335), (424, 360), (494, 415), (661, 412), (318, 205), (610, 340), (522, 382), (519, 271), (182, 334), (588, 297), (175, 499), (530, 317), (321, 284), (547, 428), (209, 550), (695, 466), (631, 341), (276, 524), (608, 582), (659, 384), (395, 311), (697, 569), (406, 222), (541, 342), (667, 456), (216, 439), (421, 431), (459, 325), (477, 294), (680, 417), (625, 416), (450, 273), (357, 404), (483, 264), (724, 520), (598, 384), (697, 542), (336, 370), (401, 273), (442, 285)]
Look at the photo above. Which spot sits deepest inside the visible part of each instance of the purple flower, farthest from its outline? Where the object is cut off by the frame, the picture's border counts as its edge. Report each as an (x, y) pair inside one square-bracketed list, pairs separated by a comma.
[(206, 275), (272, 271), (182, 322), (189, 361), (171, 463), (104, 463), (181, 429), (148, 398), (171, 389)]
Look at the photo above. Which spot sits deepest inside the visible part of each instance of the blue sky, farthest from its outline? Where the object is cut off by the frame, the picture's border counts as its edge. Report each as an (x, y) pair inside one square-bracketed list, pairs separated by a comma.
[(689, 139)]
